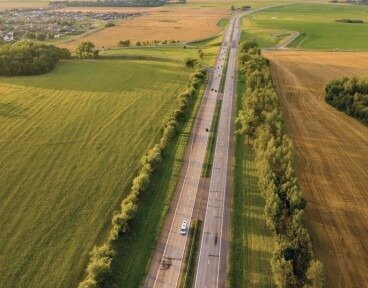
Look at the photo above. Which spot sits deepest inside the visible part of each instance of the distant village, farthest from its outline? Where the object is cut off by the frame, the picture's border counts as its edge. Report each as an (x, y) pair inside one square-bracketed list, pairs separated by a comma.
[(45, 24)]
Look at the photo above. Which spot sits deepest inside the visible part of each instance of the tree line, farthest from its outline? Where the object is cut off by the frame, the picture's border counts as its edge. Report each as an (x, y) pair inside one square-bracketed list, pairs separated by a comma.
[(28, 58), (293, 263), (99, 273), (349, 95)]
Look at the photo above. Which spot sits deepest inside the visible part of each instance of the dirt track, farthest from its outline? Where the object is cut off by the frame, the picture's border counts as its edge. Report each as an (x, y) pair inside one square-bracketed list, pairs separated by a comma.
[(332, 159)]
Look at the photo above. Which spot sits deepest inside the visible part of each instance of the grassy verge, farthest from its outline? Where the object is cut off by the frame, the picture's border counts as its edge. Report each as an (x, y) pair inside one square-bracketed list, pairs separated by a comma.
[(135, 251), (251, 241), (206, 171), (187, 276)]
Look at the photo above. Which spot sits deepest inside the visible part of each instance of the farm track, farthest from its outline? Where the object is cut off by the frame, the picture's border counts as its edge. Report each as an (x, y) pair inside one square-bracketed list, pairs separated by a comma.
[(332, 160)]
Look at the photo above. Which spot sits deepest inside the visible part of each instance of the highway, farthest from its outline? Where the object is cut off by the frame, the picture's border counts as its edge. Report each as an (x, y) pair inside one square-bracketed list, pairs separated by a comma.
[(167, 273), (211, 268)]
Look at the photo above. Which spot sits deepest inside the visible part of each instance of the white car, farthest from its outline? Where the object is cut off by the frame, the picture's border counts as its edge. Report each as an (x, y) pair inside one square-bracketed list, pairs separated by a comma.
[(184, 228)]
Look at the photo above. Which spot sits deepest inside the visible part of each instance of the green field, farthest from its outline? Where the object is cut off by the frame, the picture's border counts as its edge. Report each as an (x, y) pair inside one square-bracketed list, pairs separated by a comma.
[(251, 241), (315, 22), (210, 50), (135, 249), (70, 144)]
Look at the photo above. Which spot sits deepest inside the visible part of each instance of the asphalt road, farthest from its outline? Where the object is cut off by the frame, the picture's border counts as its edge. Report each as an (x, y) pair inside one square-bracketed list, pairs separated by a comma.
[(168, 272), (211, 269)]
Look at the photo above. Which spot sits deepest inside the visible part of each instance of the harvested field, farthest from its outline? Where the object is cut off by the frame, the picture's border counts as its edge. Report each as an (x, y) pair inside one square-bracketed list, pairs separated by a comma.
[(162, 23), (7, 5), (332, 159)]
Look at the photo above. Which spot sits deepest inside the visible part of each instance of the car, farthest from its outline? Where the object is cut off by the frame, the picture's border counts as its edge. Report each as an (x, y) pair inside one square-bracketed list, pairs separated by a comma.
[(184, 228)]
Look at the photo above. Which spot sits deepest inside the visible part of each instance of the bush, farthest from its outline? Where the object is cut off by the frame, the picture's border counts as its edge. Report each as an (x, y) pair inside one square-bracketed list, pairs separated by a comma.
[(349, 21)]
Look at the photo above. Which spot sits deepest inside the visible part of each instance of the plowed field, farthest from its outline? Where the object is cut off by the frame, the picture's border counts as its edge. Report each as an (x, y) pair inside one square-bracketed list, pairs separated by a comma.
[(332, 159)]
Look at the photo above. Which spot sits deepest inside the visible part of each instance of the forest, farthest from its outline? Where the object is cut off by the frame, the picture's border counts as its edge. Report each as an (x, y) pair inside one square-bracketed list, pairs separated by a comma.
[(293, 263), (27, 58), (349, 95)]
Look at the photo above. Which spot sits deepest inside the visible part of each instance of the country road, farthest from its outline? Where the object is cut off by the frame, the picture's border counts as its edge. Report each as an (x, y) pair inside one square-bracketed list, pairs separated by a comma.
[(174, 243)]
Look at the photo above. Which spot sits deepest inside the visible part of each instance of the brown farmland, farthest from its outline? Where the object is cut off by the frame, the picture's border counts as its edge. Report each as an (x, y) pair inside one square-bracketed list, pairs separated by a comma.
[(332, 159), (162, 23)]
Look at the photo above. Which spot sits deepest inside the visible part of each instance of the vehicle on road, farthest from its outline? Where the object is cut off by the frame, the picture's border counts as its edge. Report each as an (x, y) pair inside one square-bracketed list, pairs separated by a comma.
[(184, 228)]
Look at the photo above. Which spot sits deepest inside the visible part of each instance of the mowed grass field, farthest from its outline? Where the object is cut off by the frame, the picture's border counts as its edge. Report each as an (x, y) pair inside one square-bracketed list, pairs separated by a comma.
[(251, 243), (70, 144), (331, 149), (315, 22)]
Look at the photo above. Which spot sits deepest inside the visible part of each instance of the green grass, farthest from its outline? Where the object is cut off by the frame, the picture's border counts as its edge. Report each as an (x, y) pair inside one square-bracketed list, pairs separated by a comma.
[(136, 249), (174, 52), (251, 241), (189, 265), (70, 144), (317, 21), (212, 141), (223, 22)]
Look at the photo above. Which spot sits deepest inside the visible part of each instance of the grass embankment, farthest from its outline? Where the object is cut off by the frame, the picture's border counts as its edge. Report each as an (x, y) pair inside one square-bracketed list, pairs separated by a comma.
[(251, 241), (315, 22), (71, 142), (135, 249), (189, 265)]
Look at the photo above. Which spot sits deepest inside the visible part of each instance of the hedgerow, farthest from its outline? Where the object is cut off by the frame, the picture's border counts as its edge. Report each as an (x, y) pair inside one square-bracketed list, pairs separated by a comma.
[(293, 263), (98, 273)]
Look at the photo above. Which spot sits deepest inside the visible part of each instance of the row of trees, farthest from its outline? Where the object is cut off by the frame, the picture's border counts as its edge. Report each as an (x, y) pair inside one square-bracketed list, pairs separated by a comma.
[(99, 272), (350, 96), (293, 262), (28, 58), (127, 43)]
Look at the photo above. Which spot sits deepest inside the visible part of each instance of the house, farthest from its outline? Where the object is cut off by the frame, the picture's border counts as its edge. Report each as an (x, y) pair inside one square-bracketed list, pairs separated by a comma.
[(9, 37)]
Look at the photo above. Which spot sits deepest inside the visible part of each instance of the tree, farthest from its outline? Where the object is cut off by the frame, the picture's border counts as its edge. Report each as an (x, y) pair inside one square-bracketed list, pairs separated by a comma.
[(200, 53), (315, 274), (190, 62), (138, 43), (85, 50), (125, 43)]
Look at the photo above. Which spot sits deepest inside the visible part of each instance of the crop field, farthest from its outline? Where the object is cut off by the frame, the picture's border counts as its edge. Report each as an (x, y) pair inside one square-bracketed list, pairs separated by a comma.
[(315, 22), (162, 23), (332, 160), (68, 156)]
